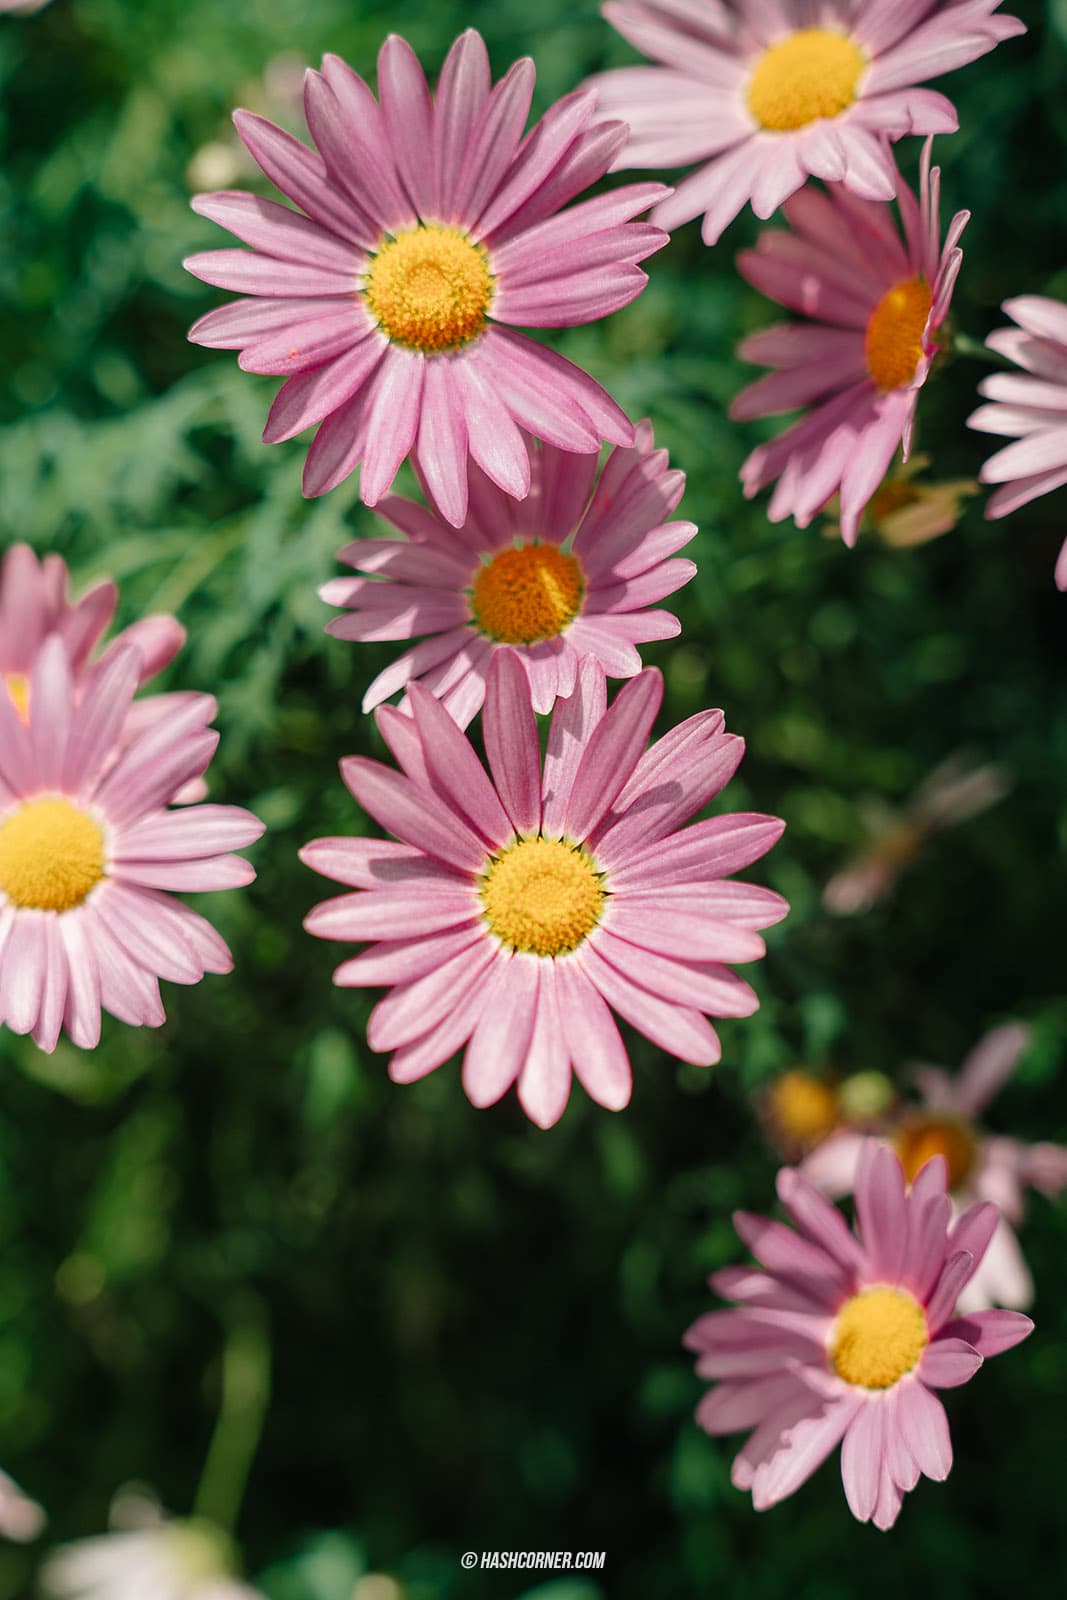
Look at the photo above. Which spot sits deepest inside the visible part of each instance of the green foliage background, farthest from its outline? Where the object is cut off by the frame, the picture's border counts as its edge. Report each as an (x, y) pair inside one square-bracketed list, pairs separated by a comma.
[(475, 1326)]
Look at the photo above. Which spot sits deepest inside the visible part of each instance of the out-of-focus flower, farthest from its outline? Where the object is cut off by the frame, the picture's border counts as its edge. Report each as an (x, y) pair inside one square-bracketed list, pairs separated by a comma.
[(521, 907), (798, 1111), (88, 847), (981, 1166), (21, 8), (430, 229), (1030, 409), (874, 303), (147, 1557), (842, 1337), (905, 512), (765, 93), (572, 571), (21, 1519), (953, 792)]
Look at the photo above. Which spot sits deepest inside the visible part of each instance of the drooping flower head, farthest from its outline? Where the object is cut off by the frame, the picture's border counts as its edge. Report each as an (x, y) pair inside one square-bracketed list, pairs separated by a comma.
[(34, 603), (765, 93), (88, 848), (981, 1165), (1030, 409), (874, 303), (520, 907), (844, 1337), (574, 570), (428, 232)]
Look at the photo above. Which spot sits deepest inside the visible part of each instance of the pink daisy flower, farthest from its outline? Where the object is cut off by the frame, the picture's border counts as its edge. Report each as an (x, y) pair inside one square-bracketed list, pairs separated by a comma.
[(88, 847), (874, 303), (430, 232), (519, 908), (981, 1166), (842, 1337), (572, 571), (1030, 409), (764, 93)]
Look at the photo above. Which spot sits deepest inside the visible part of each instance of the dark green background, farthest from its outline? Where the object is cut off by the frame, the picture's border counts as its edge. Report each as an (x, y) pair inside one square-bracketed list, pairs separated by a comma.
[(475, 1326)]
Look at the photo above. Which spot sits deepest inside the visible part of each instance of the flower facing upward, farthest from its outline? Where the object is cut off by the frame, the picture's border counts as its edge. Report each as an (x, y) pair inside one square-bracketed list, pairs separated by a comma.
[(764, 94), (519, 906), (1031, 409), (874, 303), (87, 846), (428, 232), (981, 1166), (842, 1337), (572, 571)]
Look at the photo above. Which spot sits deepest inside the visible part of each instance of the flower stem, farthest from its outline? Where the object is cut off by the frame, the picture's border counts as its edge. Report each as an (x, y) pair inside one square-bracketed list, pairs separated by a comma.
[(246, 1378)]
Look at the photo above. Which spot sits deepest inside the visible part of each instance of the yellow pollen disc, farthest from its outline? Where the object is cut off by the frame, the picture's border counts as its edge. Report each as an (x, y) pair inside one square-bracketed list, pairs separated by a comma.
[(878, 1337), (918, 1139), (430, 289), (543, 896), (18, 688), (813, 73), (51, 855), (527, 593), (894, 339), (802, 1107)]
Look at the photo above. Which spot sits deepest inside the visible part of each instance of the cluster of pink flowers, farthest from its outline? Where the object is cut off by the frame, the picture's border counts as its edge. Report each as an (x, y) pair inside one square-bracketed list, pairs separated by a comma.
[(523, 902)]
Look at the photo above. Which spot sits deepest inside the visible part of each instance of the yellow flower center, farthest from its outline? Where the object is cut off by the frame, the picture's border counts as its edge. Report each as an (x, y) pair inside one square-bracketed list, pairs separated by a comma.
[(430, 288), (802, 1107), (879, 1336), (918, 1139), (51, 855), (894, 339), (811, 74), (18, 688), (543, 896), (527, 593)]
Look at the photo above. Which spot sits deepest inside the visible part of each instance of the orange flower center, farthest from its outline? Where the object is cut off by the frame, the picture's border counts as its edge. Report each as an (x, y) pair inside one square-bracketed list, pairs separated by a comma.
[(802, 1107), (878, 1337), (51, 855), (813, 73), (894, 341), (543, 896), (430, 288), (920, 1138), (527, 592)]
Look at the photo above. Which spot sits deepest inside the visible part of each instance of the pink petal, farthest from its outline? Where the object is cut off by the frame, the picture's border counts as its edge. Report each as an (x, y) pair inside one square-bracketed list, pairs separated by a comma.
[(948, 1363), (612, 752), (924, 1427), (496, 1051), (511, 742), (990, 1333)]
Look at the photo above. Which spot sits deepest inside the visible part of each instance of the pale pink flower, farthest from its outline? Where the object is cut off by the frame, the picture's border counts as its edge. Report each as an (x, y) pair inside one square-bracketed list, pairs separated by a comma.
[(88, 847), (981, 1166), (428, 233), (21, 1519), (521, 907), (875, 302), (842, 1337), (572, 571), (1030, 409), (764, 93), (21, 8)]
